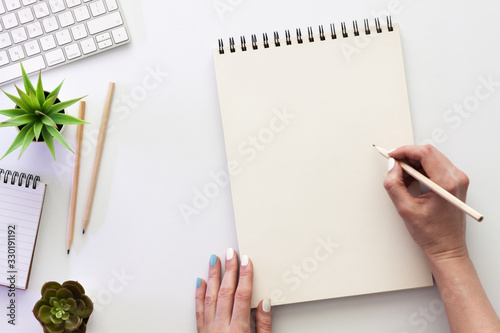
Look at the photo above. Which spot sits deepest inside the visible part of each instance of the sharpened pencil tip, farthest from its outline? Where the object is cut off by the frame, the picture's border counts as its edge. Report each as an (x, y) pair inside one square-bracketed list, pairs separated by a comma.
[(68, 251), (83, 230)]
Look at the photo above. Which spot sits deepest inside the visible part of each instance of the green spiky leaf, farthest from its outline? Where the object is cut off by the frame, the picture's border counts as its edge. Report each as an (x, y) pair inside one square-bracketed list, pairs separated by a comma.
[(55, 92), (38, 129), (49, 141), (46, 119), (20, 120), (27, 83), (19, 102), (55, 133), (27, 140), (34, 101), (12, 112), (66, 119), (48, 103), (18, 141), (40, 94), (63, 105)]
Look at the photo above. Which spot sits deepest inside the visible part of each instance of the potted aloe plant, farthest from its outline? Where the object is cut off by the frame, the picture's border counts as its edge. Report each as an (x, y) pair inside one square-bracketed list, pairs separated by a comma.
[(63, 308), (39, 115)]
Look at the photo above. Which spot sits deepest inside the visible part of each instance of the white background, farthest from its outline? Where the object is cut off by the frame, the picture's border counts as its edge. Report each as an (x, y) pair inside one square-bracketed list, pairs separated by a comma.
[(164, 143)]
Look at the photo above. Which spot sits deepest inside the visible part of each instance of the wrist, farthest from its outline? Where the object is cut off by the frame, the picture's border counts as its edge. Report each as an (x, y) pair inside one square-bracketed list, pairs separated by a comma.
[(450, 257)]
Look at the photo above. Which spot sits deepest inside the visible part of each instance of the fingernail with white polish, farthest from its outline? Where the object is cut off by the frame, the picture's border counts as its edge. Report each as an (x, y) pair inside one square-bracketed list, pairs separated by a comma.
[(229, 254), (266, 305), (390, 164), (244, 260)]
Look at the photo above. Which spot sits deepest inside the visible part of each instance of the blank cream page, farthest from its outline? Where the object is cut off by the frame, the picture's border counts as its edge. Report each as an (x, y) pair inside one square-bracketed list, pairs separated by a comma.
[(310, 209)]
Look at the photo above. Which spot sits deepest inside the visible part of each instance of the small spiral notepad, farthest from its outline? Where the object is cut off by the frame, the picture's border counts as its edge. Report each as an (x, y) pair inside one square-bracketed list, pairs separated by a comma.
[(21, 202), (300, 113)]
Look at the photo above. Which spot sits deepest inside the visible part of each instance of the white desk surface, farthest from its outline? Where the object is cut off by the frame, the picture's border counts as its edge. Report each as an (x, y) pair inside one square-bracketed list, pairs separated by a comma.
[(165, 140)]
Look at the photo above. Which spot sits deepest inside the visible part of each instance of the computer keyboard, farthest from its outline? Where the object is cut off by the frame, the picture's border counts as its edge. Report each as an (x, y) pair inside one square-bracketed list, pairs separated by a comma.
[(48, 34)]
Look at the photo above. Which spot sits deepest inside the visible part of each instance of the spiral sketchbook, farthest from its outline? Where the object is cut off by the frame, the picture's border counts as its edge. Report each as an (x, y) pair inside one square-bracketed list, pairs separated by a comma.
[(21, 202), (300, 114)]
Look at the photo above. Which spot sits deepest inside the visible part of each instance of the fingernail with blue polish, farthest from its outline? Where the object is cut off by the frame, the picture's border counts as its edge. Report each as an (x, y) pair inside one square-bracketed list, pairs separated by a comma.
[(198, 282), (213, 260)]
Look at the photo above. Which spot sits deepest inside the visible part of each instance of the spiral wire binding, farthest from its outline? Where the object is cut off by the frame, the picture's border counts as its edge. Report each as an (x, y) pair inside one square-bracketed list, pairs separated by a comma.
[(310, 35), (19, 177)]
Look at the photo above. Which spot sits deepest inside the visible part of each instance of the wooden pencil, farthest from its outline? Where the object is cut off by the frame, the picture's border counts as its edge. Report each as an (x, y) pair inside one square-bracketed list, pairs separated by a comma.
[(434, 187), (98, 155), (76, 173)]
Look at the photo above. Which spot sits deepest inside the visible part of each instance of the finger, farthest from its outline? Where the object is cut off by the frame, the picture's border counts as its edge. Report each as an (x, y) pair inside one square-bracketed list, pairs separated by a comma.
[(243, 296), (263, 317), (395, 187), (225, 297), (213, 285), (201, 288), (433, 161)]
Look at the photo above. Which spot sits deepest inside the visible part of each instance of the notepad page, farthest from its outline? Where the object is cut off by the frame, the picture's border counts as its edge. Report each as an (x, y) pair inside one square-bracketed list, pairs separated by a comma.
[(20, 211), (307, 185)]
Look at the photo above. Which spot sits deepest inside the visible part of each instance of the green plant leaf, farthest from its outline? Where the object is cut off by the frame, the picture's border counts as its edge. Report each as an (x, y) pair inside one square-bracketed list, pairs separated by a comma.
[(50, 285), (46, 119), (55, 92), (49, 141), (20, 120), (44, 314), (18, 141), (27, 83), (34, 101), (27, 140), (48, 103), (55, 133), (66, 119), (72, 323), (38, 129), (40, 94), (12, 112), (24, 97), (63, 105), (19, 102)]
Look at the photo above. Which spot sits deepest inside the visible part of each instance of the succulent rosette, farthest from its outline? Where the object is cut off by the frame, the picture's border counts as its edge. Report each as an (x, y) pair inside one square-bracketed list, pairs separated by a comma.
[(63, 308)]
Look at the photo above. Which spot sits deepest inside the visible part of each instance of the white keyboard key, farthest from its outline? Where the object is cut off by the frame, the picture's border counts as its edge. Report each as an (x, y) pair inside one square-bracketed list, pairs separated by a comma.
[(88, 45), (14, 71), (101, 37), (86, 0), (25, 15), (111, 5), (72, 3), (41, 10), (63, 37), (72, 51), (34, 29), (3, 58), (66, 19), (19, 35), (97, 8), (47, 42), (5, 40), (50, 24), (81, 13), (104, 23), (54, 57), (10, 21), (119, 35), (28, 2), (16, 53), (2, 9), (79, 31), (12, 4), (32, 48), (105, 44), (57, 6)]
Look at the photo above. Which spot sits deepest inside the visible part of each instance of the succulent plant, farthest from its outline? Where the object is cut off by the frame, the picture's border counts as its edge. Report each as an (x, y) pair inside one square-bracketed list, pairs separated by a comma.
[(38, 115), (63, 308)]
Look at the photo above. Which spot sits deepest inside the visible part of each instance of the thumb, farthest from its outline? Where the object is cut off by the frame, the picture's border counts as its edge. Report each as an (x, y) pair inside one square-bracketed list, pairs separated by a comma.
[(263, 317), (396, 189)]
